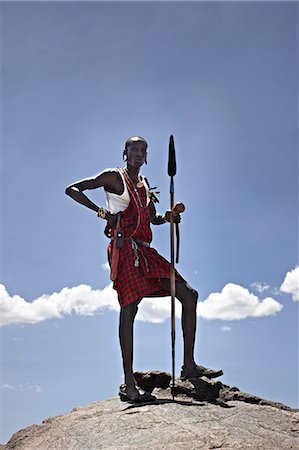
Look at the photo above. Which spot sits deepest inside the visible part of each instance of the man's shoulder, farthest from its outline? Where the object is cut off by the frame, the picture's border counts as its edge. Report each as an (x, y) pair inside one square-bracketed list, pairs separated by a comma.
[(113, 172)]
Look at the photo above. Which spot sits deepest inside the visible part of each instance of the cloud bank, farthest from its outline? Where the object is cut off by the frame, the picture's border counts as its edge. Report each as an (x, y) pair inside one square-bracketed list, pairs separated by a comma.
[(290, 284), (81, 300), (234, 302)]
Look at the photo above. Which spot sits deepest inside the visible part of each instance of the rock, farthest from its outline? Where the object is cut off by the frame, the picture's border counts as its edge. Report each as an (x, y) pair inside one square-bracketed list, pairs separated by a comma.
[(202, 389), (206, 389), (227, 394), (152, 379), (188, 422)]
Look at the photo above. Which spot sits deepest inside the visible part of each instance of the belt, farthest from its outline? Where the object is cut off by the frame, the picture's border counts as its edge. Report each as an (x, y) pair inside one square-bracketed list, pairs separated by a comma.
[(136, 244), (138, 241)]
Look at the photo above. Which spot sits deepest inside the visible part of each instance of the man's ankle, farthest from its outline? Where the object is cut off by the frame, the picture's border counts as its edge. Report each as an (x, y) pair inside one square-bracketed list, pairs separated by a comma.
[(130, 380), (189, 364)]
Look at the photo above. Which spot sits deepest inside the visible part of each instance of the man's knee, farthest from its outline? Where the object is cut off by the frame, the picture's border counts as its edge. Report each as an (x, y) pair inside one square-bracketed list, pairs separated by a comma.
[(187, 295), (193, 292)]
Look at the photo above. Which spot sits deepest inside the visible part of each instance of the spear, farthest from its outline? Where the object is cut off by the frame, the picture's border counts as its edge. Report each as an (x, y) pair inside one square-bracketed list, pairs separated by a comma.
[(171, 173)]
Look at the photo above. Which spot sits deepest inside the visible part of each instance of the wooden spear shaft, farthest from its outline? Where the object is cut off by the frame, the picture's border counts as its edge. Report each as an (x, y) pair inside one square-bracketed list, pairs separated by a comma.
[(171, 173), (172, 293)]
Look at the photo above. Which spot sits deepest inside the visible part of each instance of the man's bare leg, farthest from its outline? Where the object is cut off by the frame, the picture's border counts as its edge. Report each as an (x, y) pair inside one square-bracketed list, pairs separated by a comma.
[(188, 298), (126, 325), (131, 391)]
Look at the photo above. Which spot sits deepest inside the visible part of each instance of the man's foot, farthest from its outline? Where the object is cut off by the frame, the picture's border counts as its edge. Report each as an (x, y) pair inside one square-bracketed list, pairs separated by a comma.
[(200, 371), (134, 394)]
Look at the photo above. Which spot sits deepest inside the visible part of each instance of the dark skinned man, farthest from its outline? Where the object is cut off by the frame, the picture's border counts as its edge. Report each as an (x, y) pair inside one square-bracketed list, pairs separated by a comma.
[(137, 270)]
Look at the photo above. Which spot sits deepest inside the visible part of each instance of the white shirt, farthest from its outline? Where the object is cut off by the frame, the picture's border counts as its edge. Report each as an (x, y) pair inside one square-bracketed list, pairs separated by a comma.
[(115, 202)]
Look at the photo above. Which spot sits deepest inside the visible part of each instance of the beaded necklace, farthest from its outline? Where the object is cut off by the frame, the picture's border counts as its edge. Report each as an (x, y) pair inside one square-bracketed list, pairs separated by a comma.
[(135, 185)]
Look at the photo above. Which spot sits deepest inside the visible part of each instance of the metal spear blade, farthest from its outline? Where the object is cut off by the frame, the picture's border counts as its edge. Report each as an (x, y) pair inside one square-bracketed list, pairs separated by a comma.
[(171, 158)]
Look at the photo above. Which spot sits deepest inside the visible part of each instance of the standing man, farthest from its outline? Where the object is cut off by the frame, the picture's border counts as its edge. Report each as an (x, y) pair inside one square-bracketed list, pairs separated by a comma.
[(137, 270)]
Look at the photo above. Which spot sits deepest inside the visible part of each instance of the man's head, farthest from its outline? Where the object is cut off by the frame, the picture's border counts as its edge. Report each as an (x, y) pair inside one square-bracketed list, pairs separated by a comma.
[(133, 140), (135, 151)]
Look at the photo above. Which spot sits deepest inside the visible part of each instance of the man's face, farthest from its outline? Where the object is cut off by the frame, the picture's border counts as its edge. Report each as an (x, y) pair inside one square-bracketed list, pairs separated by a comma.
[(136, 153)]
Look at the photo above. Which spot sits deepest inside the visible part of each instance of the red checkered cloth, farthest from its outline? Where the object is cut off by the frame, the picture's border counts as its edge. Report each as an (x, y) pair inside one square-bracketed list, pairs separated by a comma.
[(133, 283)]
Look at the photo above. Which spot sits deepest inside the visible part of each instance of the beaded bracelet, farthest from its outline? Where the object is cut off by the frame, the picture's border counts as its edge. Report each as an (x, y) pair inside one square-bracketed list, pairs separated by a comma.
[(102, 213)]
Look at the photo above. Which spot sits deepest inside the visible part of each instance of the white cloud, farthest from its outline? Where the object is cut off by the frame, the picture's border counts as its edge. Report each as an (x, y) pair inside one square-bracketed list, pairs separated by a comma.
[(7, 386), (290, 284), (36, 387), (225, 328), (26, 386), (235, 302), (260, 286), (157, 310), (275, 291), (105, 266), (81, 300)]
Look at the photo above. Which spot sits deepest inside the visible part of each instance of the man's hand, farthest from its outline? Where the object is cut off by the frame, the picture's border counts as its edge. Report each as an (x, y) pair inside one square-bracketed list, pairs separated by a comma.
[(176, 216)]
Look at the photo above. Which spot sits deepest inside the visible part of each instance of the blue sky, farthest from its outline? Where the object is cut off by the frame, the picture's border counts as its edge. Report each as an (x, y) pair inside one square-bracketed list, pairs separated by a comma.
[(78, 78)]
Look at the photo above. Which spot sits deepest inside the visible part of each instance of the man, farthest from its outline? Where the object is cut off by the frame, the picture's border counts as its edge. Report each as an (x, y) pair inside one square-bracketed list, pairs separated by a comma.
[(137, 269)]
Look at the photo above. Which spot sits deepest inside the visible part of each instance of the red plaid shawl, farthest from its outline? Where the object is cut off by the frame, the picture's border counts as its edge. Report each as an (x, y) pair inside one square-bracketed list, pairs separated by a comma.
[(133, 283)]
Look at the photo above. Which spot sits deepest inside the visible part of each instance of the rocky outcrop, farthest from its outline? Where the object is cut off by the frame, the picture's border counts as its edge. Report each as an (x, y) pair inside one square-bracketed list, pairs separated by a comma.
[(205, 414)]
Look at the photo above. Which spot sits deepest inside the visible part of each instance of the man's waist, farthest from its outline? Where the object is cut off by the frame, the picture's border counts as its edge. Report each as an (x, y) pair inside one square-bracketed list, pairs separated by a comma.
[(120, 238)]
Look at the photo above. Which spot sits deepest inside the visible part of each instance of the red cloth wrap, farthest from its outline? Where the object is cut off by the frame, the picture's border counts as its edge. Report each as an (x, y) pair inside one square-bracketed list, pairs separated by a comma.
[(133, 283), (114, 255)]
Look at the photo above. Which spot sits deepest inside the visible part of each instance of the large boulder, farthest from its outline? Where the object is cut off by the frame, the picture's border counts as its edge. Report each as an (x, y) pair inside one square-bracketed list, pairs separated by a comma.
[(205, 414)]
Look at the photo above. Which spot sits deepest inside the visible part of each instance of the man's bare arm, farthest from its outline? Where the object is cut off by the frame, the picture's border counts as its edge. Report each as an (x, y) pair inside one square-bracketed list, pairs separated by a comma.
[(155, 218), (158, 219), (109, 180)]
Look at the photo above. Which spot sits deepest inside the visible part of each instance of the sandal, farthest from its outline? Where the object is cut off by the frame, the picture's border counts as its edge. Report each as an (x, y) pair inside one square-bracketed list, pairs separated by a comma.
[(133, 397), (200, 371)]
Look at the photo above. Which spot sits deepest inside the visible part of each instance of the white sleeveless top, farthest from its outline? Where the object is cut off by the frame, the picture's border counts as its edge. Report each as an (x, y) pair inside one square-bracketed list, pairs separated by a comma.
[(115, 202)]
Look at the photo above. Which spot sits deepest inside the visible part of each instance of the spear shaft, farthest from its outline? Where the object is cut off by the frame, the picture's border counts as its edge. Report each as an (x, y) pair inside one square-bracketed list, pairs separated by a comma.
[(171, 173)]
